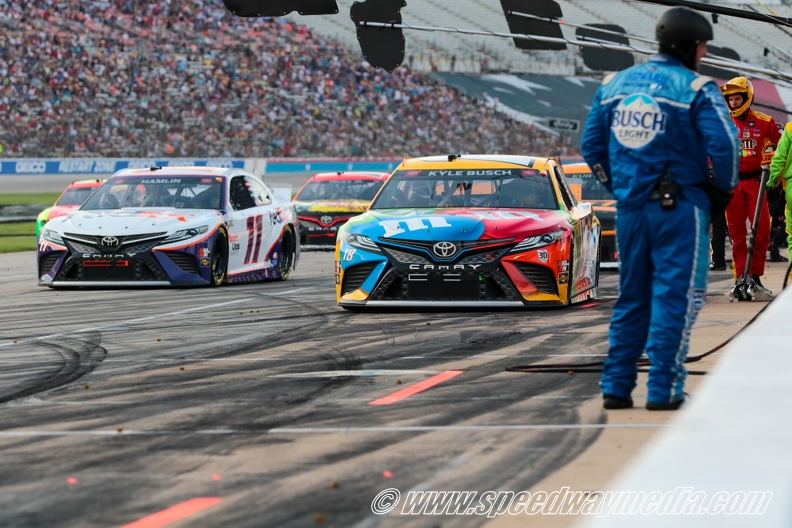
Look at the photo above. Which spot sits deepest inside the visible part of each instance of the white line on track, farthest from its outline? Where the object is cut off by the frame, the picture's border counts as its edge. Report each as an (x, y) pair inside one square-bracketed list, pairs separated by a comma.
[(128, 322), (289, 291), (326, 430)]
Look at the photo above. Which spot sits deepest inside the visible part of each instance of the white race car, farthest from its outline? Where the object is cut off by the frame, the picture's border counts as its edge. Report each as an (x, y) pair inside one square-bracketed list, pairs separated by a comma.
[(172, 227)]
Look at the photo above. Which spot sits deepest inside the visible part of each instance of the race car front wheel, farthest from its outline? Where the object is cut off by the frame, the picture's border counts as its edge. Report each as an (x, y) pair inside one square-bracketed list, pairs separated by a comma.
[(220, 258), (287, 253)]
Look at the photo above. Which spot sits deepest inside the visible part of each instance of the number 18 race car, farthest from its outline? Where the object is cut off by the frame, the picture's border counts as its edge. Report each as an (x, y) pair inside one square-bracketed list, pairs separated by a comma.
[(173, 226), (471, 230)]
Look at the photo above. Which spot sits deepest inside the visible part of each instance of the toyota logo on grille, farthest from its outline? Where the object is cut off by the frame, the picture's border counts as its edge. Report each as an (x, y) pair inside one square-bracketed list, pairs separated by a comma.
[(110, 242), (326, 219), (444, 249)]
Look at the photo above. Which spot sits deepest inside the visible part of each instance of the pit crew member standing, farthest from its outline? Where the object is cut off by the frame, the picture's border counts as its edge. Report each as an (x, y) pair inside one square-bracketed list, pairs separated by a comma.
[(781, 170), (758, 132), (647, 138)]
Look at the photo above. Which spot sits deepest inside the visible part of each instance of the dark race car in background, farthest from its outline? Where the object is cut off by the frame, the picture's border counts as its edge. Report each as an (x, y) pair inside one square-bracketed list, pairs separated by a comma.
[(588, 188), (471, 230), (329, 199), (172, 227)]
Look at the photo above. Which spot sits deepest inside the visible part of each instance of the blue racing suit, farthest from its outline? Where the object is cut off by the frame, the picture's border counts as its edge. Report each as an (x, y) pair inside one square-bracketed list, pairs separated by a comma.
[(651, 120)]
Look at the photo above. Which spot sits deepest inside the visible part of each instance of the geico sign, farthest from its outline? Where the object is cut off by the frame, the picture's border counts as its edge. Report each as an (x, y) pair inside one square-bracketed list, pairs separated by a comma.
[(26, 167)]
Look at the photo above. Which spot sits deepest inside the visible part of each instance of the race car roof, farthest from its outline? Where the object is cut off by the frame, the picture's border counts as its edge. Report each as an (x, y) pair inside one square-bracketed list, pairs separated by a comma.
[(475, 161), (350, 175), (175, 171), (577, 167), (82, 184)]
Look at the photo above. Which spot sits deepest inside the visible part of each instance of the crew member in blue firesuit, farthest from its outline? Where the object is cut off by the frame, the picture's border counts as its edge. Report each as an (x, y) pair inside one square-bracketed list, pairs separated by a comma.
[(647, 139)]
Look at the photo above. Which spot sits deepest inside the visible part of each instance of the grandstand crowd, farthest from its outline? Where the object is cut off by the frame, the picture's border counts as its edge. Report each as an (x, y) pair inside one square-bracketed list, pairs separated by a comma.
[(133, 78)]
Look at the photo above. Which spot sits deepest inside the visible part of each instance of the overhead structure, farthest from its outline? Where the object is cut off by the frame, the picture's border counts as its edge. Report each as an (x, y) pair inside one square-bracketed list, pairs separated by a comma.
[(382, 47), (533, 25), (605, 59), (278, 8), (540, 21)]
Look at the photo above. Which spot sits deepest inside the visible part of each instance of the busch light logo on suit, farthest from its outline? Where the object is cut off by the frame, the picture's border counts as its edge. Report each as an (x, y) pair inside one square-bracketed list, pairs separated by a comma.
[(637, 120)]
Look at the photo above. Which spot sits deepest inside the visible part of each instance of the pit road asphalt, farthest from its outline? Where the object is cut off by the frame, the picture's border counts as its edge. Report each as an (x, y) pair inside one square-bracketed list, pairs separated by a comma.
[(117, 404)]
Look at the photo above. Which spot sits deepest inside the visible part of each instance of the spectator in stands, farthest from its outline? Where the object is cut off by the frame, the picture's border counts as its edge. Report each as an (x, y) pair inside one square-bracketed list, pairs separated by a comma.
[(138, 78), (758, 132), (656, 170)]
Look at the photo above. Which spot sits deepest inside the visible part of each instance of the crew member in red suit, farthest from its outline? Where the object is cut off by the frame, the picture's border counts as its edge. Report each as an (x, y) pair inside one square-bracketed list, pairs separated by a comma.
[(759, 135)]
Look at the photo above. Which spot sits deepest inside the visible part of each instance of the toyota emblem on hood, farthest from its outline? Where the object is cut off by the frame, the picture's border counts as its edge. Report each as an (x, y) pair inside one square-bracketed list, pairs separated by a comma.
[(326, 219), (444, 249), (110, 242)]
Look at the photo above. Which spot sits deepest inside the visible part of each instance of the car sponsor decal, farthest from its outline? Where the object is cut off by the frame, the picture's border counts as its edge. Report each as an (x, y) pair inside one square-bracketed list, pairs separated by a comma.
[(637, 120), (395, 227)]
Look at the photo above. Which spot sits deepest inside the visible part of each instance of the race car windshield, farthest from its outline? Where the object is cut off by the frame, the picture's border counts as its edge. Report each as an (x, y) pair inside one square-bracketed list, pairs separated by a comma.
[(76, 196), (174, 193), (586, 186), (506, 188), (339, 190)]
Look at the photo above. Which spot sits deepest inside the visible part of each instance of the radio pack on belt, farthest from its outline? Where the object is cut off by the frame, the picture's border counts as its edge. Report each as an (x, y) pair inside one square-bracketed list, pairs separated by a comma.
[(667, 190)]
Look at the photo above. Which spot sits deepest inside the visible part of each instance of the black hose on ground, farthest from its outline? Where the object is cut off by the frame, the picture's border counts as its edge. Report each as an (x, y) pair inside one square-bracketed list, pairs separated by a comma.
[(575, 368)]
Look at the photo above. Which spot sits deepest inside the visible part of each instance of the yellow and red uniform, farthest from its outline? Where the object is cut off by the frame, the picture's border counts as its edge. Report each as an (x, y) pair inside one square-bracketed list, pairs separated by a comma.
[(756, 131)]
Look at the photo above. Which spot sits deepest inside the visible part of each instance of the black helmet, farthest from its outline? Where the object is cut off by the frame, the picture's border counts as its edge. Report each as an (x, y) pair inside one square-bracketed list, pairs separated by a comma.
[(679, 32), (682, 25)]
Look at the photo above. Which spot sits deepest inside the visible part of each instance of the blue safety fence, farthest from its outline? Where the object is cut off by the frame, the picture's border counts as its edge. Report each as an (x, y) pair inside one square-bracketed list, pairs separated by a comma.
[(29, 167)]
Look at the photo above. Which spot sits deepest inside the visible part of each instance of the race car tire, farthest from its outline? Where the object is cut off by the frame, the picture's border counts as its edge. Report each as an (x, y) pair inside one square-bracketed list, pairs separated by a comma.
[(220, 258), (286, 264)]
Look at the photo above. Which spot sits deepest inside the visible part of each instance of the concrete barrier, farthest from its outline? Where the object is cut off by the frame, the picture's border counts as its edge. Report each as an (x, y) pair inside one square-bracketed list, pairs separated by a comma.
[(733, 438), (104, 166)]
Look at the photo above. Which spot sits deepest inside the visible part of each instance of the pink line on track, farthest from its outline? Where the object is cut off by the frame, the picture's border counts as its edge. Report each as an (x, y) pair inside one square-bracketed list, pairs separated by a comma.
[(175, 513), (415, 389)]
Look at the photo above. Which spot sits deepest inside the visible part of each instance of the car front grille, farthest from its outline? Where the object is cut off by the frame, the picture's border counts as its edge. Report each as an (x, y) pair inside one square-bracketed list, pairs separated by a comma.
[(185, 261), (541, 277), (355, 276), (48, 261), (141, 268), (93, 243), (405, 285)]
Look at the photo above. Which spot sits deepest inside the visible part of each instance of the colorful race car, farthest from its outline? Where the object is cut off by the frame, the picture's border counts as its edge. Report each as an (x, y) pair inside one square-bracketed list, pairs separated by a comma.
[(70, 199), (329, 199), (172, 227), (588, 188), (471, 230)]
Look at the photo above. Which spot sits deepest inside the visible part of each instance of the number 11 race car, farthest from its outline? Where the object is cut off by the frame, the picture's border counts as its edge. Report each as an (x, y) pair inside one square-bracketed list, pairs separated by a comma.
[(471, 230), (175, 226)]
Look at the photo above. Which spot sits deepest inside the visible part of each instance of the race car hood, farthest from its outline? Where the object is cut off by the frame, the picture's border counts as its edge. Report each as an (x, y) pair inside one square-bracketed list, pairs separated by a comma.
[(332, 206), (458, 224), (133, 221)]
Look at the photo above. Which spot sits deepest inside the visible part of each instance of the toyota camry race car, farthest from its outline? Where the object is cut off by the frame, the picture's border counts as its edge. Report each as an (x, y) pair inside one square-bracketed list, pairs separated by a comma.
[(587, 187), (329, 199), (174, 226), (471, 230), (70, 199)]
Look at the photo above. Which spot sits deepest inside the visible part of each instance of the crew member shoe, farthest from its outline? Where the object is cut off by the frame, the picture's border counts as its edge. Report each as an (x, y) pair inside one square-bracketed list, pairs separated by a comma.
[(673, 406), (615, 402), (718, 266)]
